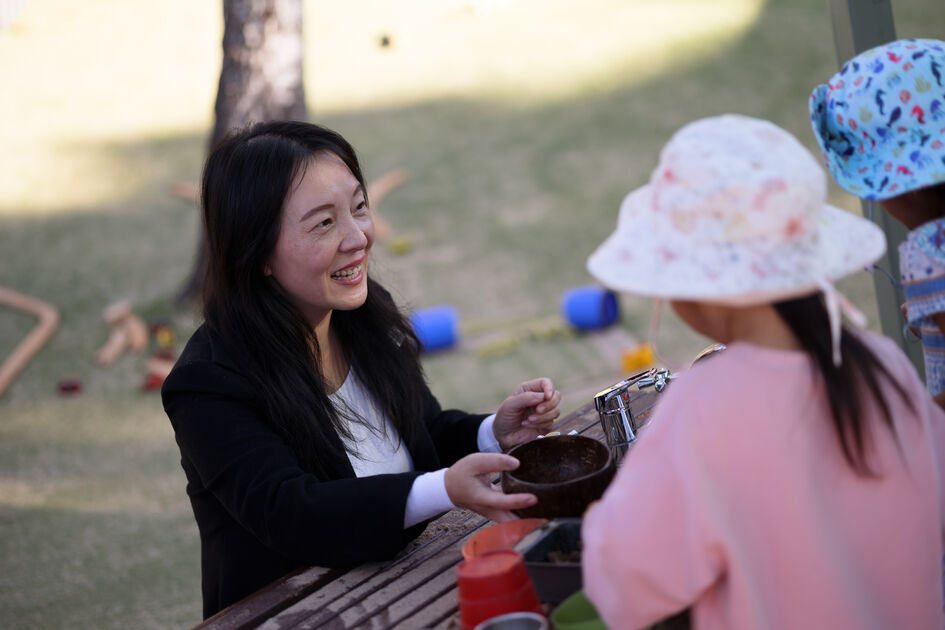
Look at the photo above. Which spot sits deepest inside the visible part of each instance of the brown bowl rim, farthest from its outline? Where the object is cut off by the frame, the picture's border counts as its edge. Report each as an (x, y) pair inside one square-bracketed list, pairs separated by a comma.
[(558, 484)]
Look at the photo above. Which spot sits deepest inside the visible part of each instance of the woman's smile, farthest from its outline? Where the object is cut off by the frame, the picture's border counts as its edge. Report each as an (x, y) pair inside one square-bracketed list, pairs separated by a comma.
[(352, 274), (321, 257)]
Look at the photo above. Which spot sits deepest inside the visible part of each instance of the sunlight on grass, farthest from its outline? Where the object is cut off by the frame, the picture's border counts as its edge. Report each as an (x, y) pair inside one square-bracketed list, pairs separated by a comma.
[(103, 80), (523, 52), (84, 74)]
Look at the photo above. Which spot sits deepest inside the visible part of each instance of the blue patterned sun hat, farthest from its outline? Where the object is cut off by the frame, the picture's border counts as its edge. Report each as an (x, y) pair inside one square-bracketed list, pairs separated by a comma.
[(880, 121)]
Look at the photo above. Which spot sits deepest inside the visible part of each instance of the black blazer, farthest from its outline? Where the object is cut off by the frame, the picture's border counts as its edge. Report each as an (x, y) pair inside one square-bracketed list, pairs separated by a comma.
[(259, 514)]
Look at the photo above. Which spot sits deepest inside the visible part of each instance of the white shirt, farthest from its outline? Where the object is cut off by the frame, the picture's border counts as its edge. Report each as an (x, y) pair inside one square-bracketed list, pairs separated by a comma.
[(376, 448)]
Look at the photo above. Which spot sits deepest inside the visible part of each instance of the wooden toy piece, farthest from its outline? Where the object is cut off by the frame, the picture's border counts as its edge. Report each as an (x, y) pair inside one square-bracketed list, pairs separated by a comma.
[(114, 346), (160, 367), (34, 340), (128, 331), (114, 313), (376, 191), (137, 332), (188, 191)]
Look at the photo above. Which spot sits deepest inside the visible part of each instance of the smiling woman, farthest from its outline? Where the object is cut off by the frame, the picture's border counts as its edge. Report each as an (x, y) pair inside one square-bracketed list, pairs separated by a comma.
[(321, 256), (306, 430)]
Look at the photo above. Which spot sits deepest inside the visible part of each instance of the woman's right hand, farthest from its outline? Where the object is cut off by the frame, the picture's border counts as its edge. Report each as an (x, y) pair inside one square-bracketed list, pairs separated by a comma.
[(468, 484)]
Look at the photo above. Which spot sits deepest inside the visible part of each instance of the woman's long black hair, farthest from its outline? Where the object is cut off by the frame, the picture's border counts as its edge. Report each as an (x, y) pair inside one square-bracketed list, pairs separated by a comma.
[(246, 181), (860, 371)]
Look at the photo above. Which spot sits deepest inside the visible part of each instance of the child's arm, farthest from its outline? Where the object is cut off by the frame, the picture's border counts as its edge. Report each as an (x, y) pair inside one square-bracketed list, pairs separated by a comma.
[(647, 550)]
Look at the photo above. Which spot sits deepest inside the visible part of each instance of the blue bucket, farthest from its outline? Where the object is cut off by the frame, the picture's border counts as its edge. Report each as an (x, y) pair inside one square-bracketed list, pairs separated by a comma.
[(436, 327), (589, 308)]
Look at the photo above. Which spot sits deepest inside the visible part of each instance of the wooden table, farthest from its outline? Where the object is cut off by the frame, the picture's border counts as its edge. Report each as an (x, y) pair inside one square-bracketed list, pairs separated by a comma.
[(415, 591)]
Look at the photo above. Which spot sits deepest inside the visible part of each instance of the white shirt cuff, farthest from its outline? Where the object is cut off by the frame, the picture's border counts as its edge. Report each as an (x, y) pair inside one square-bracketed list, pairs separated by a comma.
[(427, 498), (486, 439)]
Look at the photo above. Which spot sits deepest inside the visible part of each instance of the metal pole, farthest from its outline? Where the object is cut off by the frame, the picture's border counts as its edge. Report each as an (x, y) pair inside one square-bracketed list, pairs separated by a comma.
[(859, 25)]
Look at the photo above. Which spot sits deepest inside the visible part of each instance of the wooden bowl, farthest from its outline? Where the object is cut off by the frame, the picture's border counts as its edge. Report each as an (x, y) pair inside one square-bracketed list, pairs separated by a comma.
[(565, 472)]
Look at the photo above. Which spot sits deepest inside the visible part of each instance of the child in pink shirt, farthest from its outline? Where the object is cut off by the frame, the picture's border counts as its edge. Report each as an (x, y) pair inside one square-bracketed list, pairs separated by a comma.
[(795, 479)]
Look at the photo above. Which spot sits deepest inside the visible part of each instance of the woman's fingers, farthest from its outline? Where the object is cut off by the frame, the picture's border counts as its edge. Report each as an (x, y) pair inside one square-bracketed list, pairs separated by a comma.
[(501, 509), (542, 384), (499, 516), (536, 403), (546, 410), (467, 486), (487, 463)]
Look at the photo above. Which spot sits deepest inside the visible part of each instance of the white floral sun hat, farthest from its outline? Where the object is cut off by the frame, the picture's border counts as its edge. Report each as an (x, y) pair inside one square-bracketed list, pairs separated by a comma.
[(734, 213)]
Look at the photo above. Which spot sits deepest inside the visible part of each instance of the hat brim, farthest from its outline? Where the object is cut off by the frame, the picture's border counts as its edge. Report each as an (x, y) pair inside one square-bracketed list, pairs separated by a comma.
[(635, 260), (852, 169)]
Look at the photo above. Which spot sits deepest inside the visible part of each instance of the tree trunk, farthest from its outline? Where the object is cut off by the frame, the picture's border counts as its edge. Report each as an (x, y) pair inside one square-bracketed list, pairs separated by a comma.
[(260, 79)]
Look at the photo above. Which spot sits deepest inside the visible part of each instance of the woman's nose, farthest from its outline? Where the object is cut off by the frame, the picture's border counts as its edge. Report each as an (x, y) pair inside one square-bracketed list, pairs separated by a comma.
[(355, 236)]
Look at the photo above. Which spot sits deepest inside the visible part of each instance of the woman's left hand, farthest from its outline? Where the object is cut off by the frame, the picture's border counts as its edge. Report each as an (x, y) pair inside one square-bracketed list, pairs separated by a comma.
[(528, 412)]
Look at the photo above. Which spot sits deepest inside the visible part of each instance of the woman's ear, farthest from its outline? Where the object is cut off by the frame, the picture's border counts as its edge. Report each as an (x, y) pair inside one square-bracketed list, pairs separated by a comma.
[(267, 271)]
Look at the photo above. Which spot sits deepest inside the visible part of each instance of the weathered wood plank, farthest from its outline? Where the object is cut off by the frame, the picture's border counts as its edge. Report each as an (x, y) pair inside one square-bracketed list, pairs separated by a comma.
[(351, 600), (412, 592), (269, 600), (440, 614)]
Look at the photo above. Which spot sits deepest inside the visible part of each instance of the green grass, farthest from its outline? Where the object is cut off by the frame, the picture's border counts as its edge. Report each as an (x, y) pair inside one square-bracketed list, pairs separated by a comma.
[(522, 125)]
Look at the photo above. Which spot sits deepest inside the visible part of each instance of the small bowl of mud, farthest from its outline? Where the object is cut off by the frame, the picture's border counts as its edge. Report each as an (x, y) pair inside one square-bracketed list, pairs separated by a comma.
[(566, 472)]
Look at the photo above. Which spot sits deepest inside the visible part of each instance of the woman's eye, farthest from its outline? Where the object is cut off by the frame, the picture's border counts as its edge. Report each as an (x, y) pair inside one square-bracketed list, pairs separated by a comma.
[(324, 223), (361, 207)]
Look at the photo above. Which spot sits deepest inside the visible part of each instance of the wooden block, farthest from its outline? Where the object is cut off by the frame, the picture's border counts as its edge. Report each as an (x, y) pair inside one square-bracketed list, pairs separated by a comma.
[(34, 340), (114, 313), (115, 344)]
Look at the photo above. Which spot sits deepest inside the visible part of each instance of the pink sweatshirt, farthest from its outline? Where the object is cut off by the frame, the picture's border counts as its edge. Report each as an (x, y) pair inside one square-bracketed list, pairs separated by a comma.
[(736, 501)]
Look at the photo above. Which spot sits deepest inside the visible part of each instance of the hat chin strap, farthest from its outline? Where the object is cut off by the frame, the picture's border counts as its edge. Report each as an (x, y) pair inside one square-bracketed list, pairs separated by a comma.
[(655, 315), (835, 303)]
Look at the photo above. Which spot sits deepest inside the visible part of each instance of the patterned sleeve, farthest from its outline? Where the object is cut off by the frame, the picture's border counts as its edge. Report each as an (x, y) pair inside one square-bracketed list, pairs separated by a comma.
[(922, 266)]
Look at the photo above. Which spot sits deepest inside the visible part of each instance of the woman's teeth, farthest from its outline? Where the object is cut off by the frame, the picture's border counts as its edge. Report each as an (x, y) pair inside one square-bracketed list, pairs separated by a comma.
[(347, 274)]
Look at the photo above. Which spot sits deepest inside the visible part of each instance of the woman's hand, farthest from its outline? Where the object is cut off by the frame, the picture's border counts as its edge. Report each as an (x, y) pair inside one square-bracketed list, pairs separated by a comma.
[(528, 412), (468, 484)]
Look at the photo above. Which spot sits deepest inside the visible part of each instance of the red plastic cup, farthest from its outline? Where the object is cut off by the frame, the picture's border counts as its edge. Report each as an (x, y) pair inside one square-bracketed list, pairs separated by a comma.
[(493, 584), (500, 536)]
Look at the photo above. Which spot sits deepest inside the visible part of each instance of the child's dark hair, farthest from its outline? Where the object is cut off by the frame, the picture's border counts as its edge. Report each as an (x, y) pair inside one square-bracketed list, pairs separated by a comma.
[(807, 318), (939, 189)]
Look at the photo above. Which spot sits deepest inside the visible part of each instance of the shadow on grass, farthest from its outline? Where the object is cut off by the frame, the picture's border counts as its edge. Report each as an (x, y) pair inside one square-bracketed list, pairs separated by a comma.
[(503, 205), (69, 568)]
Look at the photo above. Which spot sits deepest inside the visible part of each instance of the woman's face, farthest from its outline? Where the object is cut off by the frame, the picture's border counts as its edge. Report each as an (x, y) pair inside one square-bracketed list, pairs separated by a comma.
[(326, 233)]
